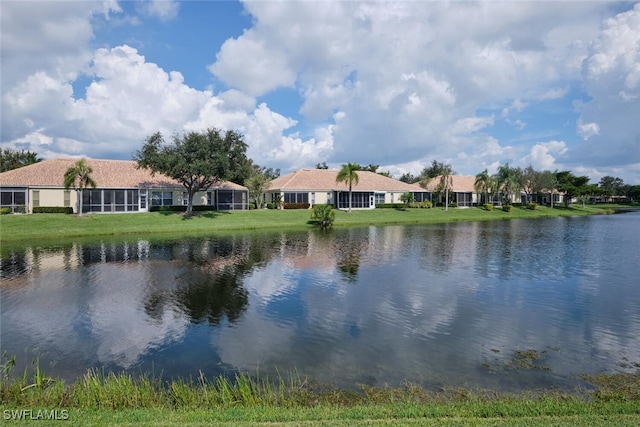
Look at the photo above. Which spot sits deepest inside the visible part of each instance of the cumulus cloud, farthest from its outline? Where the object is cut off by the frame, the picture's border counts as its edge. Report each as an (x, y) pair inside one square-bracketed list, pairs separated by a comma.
[(165, 10), (543, 155), (608, 122), (402, 83), (387, 83)]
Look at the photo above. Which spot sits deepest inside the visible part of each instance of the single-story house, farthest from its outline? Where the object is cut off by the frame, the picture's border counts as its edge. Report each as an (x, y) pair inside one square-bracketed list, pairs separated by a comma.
[(319, 186), (120, 187), (463, 192)]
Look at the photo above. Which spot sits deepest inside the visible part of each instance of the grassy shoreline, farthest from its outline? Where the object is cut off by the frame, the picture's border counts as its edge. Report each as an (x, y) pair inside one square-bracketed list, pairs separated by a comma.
[(43, 227), (119, 399)]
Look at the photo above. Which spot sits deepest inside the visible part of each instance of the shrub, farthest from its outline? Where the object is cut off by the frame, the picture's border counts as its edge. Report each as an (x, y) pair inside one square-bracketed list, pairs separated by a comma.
[(5, 211), (453, 205), (181, 208), (390, 205), (426, 204), (488, 206), (532, 206), (53, 209), (407, 198), (271, 205), (296, 205), (324, 215), (506, 208)]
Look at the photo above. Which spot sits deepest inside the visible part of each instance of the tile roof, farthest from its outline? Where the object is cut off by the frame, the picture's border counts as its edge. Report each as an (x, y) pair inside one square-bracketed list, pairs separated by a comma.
[(325, 180), (461, 183), (106, 174)]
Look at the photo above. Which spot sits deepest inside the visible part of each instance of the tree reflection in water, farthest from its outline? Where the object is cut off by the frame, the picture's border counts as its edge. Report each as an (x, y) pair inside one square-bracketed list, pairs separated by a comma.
[(209, 280)]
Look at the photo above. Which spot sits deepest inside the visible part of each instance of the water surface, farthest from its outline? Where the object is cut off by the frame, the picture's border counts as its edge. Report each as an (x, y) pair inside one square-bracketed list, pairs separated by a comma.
[(450, 304)]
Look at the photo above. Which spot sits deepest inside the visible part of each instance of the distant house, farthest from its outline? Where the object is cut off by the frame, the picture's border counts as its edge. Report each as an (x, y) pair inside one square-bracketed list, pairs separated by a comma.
[(464, 193), (121, 187), (319, 186), (461, 191)]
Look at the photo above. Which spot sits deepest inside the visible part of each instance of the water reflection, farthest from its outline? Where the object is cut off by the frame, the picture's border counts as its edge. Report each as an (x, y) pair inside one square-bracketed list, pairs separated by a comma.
[(446, 304)]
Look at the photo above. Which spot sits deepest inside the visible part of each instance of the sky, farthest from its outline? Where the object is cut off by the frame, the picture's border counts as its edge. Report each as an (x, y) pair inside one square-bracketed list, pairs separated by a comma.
[(554, 85)]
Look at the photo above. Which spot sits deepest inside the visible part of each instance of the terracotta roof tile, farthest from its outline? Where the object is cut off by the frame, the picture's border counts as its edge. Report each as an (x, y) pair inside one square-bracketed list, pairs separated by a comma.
[(325, 180), (461, 183), (106, 174)]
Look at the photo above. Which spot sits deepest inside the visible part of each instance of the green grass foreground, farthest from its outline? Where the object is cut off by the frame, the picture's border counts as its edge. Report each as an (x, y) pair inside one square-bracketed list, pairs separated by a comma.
[(119, 399), (41, 227)]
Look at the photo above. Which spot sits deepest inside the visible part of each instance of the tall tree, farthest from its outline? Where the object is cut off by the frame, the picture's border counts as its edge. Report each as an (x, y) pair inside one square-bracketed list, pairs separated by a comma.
[(14, 159), (570, 185), (79, 177), (259, 182), (446, 182), (197, 160), (508, 179), (349, 175), (322, 165), (409, 178), (437, 169), (612, 186), (483, 183)]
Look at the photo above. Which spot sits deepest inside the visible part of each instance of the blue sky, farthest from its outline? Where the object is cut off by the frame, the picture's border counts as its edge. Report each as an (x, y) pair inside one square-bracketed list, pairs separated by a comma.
[(397, 84)]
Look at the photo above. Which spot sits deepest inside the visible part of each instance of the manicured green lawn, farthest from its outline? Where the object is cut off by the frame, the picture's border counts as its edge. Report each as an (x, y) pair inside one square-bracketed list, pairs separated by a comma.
[(403, 414), (41, 227)]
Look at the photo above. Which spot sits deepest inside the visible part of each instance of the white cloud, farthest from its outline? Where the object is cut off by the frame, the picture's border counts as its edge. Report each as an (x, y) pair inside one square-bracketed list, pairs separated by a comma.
[(587, 130), (554, 93), (608, 121), (543, 155), (164, 10), (380, 82)]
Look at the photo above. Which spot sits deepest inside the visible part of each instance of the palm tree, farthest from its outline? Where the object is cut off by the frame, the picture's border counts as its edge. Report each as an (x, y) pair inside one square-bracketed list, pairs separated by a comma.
[(78, 176), (507, 178), (482, 184), (446, 181), (349, 175)]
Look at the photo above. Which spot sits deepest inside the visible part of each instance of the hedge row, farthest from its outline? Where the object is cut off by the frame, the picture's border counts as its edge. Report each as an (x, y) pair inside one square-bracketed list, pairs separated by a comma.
[(296, 205), (53, 209), (391, 205), (181, 208)]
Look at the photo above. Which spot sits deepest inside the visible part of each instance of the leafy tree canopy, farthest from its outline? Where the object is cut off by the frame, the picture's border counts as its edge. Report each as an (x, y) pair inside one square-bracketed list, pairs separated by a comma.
[(197, 160), (14, 159), (571, 185)]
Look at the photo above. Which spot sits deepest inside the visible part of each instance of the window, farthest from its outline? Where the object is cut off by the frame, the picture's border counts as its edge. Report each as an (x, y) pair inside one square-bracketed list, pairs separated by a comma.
[(161, 198), (313, 198), (358, 199), (132, 200), (16, 199), (36, 198), (422, 196), (67, 198), (143, 199), (209, 198), (296, 197), (109, 200), (379, 198)]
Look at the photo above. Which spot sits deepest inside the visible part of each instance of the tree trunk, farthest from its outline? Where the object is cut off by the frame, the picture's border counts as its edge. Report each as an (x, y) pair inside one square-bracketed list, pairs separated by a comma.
[(446, 198), (190, 194), (79, 203)]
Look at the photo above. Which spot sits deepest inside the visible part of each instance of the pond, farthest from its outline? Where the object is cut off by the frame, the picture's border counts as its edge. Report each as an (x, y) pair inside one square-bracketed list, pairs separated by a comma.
[(510, 305)]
